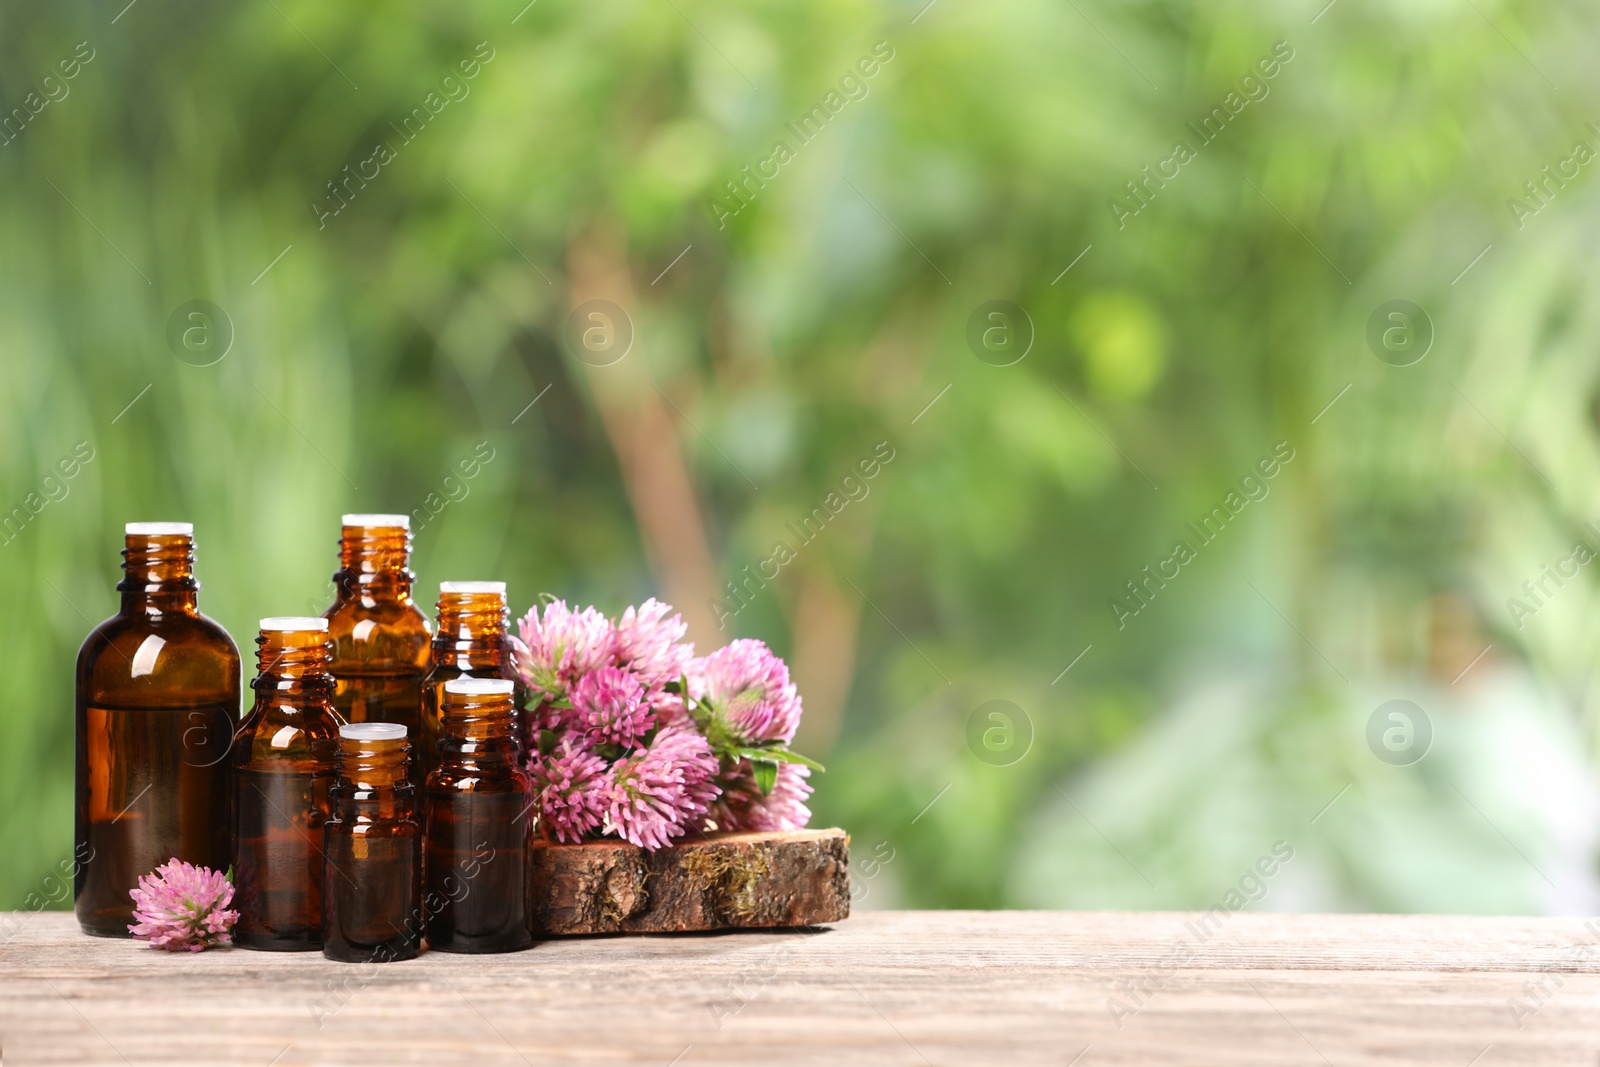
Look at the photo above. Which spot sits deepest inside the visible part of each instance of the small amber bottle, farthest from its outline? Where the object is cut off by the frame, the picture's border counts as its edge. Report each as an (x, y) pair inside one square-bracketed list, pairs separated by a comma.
[(380, 638), (285, 757), (477, 825), (157, 704), (469, 641), (372, 890)]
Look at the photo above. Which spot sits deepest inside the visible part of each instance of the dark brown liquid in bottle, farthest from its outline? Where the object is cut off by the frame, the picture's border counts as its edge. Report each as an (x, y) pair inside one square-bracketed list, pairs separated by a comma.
[(380, 638), (477, 827), (157, 704), (285, 759), (470, 641), (372, 889)]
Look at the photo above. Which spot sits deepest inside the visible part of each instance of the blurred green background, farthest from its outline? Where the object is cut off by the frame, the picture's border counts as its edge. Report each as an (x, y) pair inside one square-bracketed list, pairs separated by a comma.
[(398, 208)]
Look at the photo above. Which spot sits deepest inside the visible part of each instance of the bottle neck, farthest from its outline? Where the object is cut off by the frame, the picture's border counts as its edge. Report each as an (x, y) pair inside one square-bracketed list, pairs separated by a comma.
[(158, 575), (292, 667), (472, 630), (372, 778), (373, 563), (477, 730)]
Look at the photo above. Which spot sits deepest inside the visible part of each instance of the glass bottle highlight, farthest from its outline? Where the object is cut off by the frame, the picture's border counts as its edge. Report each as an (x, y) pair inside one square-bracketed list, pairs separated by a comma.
[(285, 758), (477, 825), (372, 887), (470, 641), (380, 638), (157, 703)]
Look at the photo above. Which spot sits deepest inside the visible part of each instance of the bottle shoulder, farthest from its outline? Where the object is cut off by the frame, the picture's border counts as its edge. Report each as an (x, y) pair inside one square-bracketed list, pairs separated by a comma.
[(216, 631), (378, 632), (176, 629), (280, 724), (363, 823), (395, 612), (494, 778), (487, 665), (144, 656)]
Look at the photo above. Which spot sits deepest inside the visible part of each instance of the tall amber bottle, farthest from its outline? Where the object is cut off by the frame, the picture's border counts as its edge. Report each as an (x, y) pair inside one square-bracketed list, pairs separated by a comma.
[(285, 757), (380, 638), (372, 899), (477, 825), (470, 640), (157, 704)]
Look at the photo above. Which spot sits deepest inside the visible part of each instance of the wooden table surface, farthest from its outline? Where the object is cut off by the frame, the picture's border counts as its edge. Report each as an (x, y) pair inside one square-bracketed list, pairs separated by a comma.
[(991, 988)]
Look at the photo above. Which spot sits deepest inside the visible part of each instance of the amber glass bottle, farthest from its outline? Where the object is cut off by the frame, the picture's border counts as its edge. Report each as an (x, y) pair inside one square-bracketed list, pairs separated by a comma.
[(372, 899), (477, 825), (285, 757), (380, 638), (470, 641), (157, 704)]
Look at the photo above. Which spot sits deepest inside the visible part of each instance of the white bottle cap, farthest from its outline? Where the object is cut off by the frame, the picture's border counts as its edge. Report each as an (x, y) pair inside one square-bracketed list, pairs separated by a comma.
[(479, 687), (472, 587), (402, 521), (295, 623), (373, 731), (160, 529)]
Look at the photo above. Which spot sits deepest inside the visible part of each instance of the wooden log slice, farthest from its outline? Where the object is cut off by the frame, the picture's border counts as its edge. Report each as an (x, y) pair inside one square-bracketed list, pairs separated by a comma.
[(796, 878)]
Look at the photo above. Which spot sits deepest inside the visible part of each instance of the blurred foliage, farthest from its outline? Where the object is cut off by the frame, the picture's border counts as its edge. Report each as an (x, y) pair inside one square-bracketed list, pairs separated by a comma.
[(373, 349)]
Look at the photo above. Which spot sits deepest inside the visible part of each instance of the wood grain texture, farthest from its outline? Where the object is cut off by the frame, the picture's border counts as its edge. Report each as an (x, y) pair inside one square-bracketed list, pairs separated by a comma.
[(799, 878), (990, 988)]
